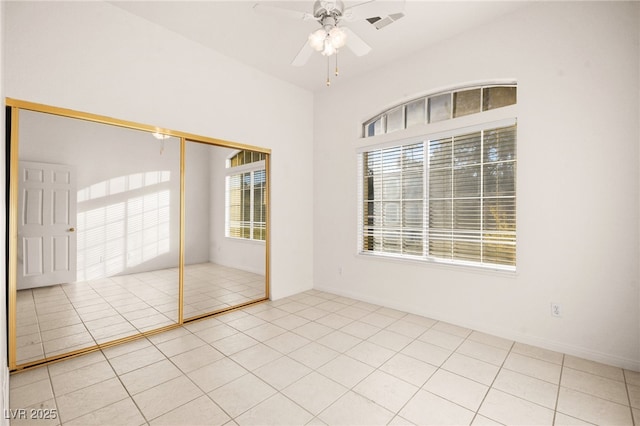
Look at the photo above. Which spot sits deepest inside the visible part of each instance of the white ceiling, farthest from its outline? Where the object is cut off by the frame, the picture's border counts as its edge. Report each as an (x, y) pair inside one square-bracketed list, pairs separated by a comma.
[(270, 43)]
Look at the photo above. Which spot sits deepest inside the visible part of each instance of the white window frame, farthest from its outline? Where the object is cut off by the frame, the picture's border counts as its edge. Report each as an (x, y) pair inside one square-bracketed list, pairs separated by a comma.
[(382, 117), (251, 168)]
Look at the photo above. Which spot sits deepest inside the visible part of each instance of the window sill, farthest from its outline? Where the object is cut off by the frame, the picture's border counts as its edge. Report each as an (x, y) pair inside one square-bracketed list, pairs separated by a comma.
[(506, 271), (246, 240)]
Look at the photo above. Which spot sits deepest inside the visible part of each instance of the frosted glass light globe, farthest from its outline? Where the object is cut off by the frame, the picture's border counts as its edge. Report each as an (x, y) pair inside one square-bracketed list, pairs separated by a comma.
[(338, 37), (317, 39)]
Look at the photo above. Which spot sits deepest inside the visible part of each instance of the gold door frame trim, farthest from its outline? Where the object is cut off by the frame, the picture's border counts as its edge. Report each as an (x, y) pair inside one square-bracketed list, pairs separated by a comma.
[(183, 144), (13, 238), (16, 105), (267, 272), (103, 119)]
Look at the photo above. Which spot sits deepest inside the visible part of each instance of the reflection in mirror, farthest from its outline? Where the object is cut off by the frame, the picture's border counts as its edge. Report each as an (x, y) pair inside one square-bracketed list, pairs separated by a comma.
[(225, 223), (98, 234)]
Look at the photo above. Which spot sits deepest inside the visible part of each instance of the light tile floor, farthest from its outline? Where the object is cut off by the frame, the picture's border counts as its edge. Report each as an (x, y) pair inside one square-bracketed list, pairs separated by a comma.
[(58, 319), (317, 358)]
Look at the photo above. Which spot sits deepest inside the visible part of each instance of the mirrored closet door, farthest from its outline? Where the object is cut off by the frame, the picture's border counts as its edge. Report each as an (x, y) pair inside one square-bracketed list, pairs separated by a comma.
[(225, 228), (118, 230)]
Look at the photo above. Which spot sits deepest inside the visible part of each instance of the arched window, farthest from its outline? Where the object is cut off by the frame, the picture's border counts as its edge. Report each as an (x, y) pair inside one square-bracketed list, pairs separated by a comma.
[(448, 196), (245, 157), (440, 106)]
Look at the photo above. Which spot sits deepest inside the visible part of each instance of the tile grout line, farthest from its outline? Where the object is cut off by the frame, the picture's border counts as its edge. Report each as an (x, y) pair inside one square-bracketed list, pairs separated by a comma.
[(277, 391), (397, 413), (55, 398), (183, 374), (82, 320), (103, 301), (166, 358), (513, 343), (339, 353), (412, 341), (588, 393), (431, 375), (555, 408), (232, 418), (626, 385), (312, 370), (33, 299), (124, 387), (351, 389), (78, 314), (37, 317), (83, 387)]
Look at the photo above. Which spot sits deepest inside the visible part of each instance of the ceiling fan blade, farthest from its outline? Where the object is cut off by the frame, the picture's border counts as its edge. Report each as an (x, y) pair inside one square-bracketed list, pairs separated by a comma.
[(303, 55), (357, 45), (267, 10), (373, 8)]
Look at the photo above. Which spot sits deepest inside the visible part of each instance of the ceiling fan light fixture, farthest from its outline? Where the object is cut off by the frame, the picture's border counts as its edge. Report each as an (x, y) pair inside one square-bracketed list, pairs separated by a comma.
[(329, 49), (331, 37), (317, 39), (160, 136), (338, 37), (327, 41)]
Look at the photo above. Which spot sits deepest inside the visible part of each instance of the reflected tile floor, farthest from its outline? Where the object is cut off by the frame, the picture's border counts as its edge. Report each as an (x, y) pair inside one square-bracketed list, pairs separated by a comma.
[(317, 358), (57, 319), (232, 287)]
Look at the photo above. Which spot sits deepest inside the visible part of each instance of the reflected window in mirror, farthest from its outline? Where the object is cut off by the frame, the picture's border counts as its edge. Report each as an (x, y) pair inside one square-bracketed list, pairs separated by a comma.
[(245, 201), (220, 271)]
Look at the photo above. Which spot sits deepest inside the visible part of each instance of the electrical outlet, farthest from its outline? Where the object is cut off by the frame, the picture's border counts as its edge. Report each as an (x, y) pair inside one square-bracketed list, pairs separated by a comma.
[(556, 309)]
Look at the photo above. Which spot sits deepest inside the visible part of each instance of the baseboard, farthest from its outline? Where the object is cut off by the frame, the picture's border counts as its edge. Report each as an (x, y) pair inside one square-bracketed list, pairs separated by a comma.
[(577, 351), (4, 395), (253, 270)]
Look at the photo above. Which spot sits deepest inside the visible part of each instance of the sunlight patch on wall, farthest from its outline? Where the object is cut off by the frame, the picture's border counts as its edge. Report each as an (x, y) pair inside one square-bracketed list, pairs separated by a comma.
[(123, 222)]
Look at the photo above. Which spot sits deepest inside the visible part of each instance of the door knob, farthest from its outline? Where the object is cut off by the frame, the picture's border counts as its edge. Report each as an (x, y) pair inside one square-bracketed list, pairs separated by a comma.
[(71, 229)]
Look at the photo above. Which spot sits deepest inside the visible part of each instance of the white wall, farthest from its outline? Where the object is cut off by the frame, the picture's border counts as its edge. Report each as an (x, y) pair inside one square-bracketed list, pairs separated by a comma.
[(4, 371), (197, 210), (94, 57), (576, 65)]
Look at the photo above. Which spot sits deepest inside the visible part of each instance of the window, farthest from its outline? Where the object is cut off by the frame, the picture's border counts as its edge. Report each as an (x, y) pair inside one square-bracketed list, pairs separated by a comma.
[(246, 196), (394, 200), (439, 107), (446, 198)]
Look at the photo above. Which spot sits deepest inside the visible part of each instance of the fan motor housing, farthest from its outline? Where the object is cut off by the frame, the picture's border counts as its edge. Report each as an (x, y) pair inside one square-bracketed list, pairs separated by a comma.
[(322, 9)]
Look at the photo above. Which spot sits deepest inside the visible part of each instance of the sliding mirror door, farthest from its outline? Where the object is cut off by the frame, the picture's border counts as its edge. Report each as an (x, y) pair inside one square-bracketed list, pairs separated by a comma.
[(225, 228), (98, 234), (117, 230)]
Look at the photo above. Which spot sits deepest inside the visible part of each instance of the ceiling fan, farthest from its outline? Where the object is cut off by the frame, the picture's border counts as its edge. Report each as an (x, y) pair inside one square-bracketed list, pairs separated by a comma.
[(332, 34)]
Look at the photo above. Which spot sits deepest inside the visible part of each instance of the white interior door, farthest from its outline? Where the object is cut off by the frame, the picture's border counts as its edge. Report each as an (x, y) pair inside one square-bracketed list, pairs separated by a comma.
[(46, 224)]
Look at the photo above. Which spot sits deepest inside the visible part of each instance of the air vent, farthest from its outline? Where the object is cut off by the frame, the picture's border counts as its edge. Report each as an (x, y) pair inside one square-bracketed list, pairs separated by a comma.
[(380, 23)]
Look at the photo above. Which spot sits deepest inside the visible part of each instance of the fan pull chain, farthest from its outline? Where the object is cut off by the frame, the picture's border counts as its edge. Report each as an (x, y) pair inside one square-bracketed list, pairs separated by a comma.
[(336, 62), (328, 73)]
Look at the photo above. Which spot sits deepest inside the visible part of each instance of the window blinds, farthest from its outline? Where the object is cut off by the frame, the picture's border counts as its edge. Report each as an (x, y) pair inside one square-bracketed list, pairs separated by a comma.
[(450, 198), (239, 205), (394, 200), (246, 205)]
